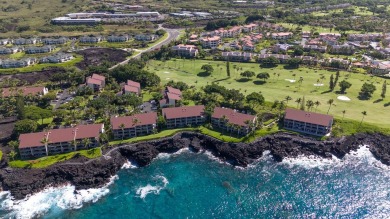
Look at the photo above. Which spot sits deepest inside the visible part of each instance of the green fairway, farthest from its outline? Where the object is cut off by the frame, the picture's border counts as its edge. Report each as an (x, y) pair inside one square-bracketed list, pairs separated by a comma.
[(278, 88)]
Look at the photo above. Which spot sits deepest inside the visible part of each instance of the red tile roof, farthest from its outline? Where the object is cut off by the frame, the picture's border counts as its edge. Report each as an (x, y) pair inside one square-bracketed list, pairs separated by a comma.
[(233, 116), (133, 84), (183, 112), (174, 90), (308, 117), (94, 81), (128, 121), (132, 89), (60, 135), (98, 77), (172, 96), (7, 92)]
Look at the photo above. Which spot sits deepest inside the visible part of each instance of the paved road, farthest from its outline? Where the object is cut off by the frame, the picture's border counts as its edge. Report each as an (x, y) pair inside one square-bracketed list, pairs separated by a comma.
[(172, 35)]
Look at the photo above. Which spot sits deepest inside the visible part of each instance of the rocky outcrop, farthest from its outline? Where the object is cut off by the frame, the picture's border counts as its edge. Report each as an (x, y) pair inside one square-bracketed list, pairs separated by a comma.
[(95, 173)]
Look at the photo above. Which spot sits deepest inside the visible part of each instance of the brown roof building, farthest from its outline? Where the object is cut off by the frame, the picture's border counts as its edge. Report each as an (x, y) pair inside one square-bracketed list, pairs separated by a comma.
[(240, 122), (171, 95), (184, 116), (57, 141), (96, 82), (9, 92), (308, 122), (136, 125)]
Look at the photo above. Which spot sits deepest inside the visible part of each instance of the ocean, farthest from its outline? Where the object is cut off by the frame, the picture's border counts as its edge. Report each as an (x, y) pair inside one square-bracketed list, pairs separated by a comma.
[(189, 185)]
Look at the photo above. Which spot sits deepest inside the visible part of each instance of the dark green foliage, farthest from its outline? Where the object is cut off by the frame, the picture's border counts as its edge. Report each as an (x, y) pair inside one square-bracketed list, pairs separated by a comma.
[(366, 91), (132, 72), (25, 126), (344, 85)]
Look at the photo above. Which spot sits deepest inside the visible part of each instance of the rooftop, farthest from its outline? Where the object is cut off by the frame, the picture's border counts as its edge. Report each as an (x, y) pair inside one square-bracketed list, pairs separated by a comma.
[(183, 112), (233, 116), (133, 84), (308, 117), (135, 120), (24, 91)]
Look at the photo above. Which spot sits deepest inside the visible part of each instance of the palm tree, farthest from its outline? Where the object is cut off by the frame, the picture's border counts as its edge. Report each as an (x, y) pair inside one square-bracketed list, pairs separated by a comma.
[(135, 122), (74, 143), (87, 142), (300, 82), (122, 127), (343, 114), (298, 101), (330, 102), (12, 155), (309, 104), (45, 142), (364, 113), (317, 103), (287, 98)]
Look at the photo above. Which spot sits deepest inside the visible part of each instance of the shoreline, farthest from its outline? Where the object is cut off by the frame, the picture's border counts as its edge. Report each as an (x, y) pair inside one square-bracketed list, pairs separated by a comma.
[(97, 172)]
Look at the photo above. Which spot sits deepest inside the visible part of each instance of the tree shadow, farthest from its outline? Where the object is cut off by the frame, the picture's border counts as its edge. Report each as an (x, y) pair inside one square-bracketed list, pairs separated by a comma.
[(325, 92), (378, 100), (223, 79), (259, 82), (243, 80), (203, 74), (386, 104), (339, 92)]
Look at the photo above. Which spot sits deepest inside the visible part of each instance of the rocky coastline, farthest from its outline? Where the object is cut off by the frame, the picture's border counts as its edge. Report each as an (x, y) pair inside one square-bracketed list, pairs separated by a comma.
[(84, 174)]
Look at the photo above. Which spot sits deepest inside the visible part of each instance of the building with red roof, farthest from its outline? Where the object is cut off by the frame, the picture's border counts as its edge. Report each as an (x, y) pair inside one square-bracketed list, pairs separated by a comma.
[(24, 91), (184, 116), (96, 82), (232, 120), (171, 96), (185, 50), (58, 141), (133, 126), (131, 87), (308, 122)]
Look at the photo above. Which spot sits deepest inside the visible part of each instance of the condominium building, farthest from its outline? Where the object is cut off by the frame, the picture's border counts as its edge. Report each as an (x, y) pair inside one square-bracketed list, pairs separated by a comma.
[(232, 120), (133, 126), (177, 117), (132, 87), (24, 91), (185, 50), (96, 82), (211, 42), (308, 122)]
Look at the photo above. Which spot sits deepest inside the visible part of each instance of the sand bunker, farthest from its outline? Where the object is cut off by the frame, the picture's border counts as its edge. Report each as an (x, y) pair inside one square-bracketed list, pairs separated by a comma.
[(290, 80), (166, 72), (167, 78), (318, 85), (343, 98)]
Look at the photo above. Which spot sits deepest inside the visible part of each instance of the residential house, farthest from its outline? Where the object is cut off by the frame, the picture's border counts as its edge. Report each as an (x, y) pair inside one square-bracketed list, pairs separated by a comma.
[(364, 37), (57, 141), (237, 56), (249, 28), (280, 57), (336, 63), (193, 38), (281, 48), (133, 126), (132, 87), (24, 91), (380, 67), (57, 58), (4, 42), (41, 49), (308, 122), (55, 41), (211, 42), (308, 48), (281, 36), (306, 34), (23, 41), (116, 39), (341, 49), (90, 39), (335, 35), (232, 120), (185, 50), (308, 60), (177, 117), (9, 50), (329, 40), (146, 37), (171, 96), (10, 63), (96, 82)]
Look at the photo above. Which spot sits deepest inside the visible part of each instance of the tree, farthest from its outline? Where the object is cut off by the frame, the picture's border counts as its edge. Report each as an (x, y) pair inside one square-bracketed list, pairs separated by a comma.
[(298, 101), (303, 103), (330, 102), (122, 127), (269, 62), (336, 79), (35, 113), (331, 82), (207, 68), (364, 113), (12, 155), (263, 75), (287, 98), (344, 85), (309, 105), (343, 114), (20, 107), (45, 142), (228, 68), (317, 103), (383, 94), (255, 98), (135, 123), (25, 126), (298, 51), (248, 74), (294, 62), (367, 91), (14, 145), (86, 142)]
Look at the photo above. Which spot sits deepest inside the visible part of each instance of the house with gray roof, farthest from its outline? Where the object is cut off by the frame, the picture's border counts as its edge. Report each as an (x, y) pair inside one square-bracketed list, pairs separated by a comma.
[(41, 49), (55, 41), (10, 63), (57, 58), (24, 41), (120, 38), (91, 39), (12, 50)]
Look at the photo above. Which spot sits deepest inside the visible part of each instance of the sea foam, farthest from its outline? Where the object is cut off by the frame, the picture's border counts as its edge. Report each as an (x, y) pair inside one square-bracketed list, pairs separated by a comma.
[(51, 199), (142, 192)]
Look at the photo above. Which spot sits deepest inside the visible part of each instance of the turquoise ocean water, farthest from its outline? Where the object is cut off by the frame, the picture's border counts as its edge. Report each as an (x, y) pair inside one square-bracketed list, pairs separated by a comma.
[(188, 185)]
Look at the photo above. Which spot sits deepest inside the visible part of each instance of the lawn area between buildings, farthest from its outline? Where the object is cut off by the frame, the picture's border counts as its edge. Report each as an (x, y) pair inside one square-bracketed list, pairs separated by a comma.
[(39, 67), (277, 88), (315, 28), (50, 160)]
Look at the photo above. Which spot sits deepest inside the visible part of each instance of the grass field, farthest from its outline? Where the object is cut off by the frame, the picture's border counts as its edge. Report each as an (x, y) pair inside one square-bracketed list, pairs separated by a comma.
[(361, 11), (315, 28), (278, 88)]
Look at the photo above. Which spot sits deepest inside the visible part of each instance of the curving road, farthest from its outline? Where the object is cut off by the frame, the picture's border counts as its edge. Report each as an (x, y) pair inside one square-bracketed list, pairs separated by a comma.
[(173, 34)]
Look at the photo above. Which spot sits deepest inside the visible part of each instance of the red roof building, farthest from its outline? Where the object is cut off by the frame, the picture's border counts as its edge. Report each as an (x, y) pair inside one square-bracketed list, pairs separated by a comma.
[(24, 91), (136, 125), (233, 120), (57, 141), (171, 95), (308, 122), (96, 82), (184, 116)]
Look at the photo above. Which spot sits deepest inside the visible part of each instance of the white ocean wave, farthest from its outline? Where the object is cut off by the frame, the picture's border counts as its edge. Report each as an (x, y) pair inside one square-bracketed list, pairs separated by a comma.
[(64, 197), (143, 191), (129, 165), (168, 155)]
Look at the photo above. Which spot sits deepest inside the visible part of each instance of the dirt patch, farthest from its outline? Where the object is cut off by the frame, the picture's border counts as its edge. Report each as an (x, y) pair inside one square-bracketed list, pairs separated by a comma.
[(97, 56), (30, 78)]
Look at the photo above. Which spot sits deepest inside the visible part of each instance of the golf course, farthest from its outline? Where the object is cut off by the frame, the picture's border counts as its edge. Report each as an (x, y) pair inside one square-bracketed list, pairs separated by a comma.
[(310, 83)]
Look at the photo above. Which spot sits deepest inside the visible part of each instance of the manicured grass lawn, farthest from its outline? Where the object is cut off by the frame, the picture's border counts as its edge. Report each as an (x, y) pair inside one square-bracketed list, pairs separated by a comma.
[(146, 96), (316, 28), (39, 67), (278, 88), (45, 121), (50, 160)]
